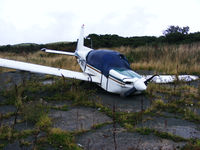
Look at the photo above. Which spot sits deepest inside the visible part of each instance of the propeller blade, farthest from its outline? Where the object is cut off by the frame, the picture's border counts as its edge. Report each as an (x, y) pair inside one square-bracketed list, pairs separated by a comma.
[(149, 80), (132, 90)]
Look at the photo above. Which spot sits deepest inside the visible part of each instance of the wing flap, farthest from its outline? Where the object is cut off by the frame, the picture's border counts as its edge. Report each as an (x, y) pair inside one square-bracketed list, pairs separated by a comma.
[(171, 78), (47, 70)]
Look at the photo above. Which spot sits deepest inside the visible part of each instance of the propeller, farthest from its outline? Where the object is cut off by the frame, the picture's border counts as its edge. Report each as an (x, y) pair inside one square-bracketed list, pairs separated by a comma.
[(149, 80), (132, 90)]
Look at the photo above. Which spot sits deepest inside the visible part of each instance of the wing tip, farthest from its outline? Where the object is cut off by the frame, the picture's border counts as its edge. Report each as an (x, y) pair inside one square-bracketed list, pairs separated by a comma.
[(43, 49)]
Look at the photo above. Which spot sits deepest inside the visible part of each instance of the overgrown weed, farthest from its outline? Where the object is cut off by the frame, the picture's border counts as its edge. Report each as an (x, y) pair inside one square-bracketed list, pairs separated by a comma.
[(62, 139)]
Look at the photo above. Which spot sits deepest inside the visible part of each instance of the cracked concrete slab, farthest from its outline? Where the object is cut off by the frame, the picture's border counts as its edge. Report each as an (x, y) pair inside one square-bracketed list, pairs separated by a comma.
[(81, 118)]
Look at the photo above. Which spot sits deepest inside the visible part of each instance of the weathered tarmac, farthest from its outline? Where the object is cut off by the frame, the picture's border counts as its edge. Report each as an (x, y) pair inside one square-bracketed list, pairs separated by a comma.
[(103, 139), (80, 118), (85, 118)]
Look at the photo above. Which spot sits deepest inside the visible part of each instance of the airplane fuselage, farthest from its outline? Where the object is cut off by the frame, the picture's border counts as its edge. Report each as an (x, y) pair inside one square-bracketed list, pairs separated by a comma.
[(112, 69)]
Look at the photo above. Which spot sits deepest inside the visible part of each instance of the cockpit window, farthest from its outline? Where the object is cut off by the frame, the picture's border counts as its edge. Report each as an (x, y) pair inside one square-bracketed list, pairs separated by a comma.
[(128, 73), (124, 58)]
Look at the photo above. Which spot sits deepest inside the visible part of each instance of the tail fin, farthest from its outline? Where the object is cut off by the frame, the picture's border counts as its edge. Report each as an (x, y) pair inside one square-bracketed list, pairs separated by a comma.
[(80, 43)]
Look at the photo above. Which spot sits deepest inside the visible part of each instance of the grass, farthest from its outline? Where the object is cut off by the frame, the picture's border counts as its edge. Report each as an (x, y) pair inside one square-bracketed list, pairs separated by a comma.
[(62, 90), (68, 89), (173, 107), (34, 111), (63, 108), (6, 132), (44, 122), (179, 99), (168, 59), (7, 115), (62, 139), (42, 58), (192, 145), (165, 135)]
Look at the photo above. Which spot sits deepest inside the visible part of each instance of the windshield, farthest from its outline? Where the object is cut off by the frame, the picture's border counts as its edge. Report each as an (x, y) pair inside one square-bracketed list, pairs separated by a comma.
[(128, 73)]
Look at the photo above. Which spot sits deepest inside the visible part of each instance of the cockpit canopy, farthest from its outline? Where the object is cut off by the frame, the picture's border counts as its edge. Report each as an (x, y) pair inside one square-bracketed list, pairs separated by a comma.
[(105, 60), (128, 73)]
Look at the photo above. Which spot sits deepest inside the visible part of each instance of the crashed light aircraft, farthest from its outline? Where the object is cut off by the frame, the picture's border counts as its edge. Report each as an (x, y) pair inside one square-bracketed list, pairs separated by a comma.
[(107, 68)]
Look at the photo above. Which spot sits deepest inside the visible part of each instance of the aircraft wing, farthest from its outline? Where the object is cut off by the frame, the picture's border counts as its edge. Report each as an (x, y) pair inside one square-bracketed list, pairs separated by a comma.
[(57, 52), (47, 70), (171, 78)]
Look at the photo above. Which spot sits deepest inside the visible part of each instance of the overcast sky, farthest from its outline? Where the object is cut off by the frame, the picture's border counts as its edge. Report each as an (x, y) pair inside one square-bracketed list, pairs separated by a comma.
[(45, 21)]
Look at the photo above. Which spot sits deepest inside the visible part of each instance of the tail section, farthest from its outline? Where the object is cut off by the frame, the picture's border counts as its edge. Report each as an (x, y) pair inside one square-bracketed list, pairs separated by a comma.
[(80, 43), (81, 50)]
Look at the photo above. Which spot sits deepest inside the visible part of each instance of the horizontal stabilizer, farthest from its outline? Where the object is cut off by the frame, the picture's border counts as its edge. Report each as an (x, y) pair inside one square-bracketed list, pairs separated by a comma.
[(47, 70), (57, 52), (171, 78)]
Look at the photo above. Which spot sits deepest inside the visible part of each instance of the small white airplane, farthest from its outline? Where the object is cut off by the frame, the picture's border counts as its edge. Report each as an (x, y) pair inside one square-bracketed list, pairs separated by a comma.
[(109, 69)]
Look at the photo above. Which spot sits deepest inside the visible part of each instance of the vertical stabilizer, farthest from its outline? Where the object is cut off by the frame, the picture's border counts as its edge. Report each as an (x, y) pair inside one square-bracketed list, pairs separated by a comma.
[(80, 43)]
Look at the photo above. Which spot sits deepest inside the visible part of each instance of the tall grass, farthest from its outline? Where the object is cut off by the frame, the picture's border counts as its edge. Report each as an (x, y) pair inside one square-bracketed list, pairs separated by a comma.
[(165, 58), (181, 59), (54, 60)]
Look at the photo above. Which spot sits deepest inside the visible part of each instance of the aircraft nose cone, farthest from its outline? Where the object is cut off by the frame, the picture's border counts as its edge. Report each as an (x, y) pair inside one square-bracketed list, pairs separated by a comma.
[(140, 85)]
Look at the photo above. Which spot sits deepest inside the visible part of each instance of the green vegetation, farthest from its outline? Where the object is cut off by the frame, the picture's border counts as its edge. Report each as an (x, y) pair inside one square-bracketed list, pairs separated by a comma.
[(44, 121), (8, 134), (193, 145), (32, 47), (147, 54), (62, 139), (34, 111), (180, 100), (165, 135), (7, 115), (63, 108), (32, 98), (172, 35), (165, 58)]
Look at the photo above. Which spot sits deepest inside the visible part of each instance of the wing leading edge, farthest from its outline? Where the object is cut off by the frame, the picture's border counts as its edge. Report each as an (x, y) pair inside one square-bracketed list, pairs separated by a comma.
[(47, 70)]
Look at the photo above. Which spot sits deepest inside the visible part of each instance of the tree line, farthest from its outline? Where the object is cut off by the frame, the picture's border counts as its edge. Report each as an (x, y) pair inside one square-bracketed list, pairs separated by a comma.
[(172, 35)]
